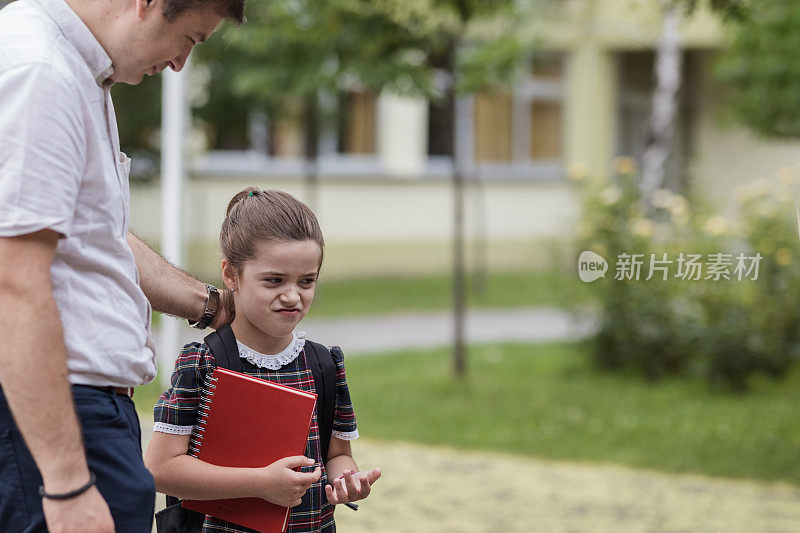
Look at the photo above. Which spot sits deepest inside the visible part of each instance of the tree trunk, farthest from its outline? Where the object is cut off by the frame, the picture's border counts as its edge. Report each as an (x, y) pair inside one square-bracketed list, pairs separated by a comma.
[(480, 239), (661, 130), (311, 142), (462, 162)]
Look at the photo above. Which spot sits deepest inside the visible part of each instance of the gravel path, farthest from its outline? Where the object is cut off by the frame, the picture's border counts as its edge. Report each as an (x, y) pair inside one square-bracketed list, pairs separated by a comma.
[(442, 490), (428, 489)]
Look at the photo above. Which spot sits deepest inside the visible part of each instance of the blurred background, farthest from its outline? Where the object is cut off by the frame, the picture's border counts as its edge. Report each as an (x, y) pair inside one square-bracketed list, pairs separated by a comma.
[(460, 155)]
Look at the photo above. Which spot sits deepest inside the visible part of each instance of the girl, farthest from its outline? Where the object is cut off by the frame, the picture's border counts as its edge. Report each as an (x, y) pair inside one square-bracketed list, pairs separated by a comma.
[(272, 252)]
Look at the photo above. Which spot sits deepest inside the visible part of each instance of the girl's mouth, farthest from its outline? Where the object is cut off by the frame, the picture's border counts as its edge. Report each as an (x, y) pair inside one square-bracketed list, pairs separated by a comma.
[(289, 312)]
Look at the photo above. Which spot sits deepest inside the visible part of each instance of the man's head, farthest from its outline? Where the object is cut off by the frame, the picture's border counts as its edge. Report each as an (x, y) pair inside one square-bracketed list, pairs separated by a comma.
[(147, 36), (229, 9)]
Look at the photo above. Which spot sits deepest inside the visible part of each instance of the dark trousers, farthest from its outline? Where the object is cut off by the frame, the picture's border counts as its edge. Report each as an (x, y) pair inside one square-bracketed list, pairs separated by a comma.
[(112, 438)]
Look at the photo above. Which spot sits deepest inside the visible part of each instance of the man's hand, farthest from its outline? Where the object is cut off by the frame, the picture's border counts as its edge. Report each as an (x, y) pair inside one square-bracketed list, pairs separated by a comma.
[(351, 486), (85, 513), (223, 317)]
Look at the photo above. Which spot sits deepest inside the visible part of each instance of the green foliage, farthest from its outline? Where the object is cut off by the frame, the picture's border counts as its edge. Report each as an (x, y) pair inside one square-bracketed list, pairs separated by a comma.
[(643, 326), (291, 51), (138, 111), (490, 64), (729, 9), (762, 70), (724, 329)]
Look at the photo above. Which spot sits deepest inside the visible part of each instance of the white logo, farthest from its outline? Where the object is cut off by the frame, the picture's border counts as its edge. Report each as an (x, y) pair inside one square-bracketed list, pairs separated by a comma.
[(591, 266)]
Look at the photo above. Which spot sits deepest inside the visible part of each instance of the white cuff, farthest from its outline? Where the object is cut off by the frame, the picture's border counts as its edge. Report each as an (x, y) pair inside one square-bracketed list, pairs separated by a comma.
[(172, 430), (350, 435)]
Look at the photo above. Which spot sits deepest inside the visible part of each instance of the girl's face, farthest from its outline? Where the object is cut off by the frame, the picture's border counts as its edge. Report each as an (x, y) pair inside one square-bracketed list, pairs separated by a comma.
[(273, 292)]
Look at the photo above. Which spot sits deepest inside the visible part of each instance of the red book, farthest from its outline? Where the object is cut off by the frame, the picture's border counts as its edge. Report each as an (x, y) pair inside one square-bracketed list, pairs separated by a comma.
[(249, 422)]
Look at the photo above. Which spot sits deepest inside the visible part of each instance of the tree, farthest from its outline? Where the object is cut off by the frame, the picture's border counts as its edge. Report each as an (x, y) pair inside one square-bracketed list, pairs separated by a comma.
[(761, 69), (302, 49), (661, 131), (138, 111), (668, 66)]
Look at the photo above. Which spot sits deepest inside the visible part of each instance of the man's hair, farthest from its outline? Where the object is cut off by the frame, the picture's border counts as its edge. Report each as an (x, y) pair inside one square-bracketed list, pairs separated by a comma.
[(229, 9)]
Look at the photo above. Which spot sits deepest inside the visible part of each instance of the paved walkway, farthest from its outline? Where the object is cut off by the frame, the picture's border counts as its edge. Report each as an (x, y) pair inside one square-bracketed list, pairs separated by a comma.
[(427, 330), (440, 490), (374, 334)]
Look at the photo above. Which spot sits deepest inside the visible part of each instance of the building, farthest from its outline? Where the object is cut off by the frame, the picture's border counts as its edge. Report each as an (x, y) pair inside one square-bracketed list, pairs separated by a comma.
[(384, 193)]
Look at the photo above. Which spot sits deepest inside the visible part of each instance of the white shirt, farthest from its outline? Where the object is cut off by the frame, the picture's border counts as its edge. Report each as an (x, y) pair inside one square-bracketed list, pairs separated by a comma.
[(61, 168)]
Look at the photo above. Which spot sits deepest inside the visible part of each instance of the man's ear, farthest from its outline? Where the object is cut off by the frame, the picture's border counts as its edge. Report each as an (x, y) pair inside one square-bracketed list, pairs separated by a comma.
[(143, 6)]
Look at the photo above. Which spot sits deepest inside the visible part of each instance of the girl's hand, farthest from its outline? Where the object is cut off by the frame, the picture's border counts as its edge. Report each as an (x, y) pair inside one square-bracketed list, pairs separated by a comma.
[(351, 486), (285, 487)]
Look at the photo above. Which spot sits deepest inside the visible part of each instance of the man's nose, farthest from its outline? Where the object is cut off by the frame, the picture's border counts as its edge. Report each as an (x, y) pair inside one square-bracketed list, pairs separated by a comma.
[(177, 63)]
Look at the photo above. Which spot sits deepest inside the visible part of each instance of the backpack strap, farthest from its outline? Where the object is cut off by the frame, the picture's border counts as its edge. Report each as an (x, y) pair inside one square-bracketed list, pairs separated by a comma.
[(172, 500), (324, 371), (226, 354), (223, 347)]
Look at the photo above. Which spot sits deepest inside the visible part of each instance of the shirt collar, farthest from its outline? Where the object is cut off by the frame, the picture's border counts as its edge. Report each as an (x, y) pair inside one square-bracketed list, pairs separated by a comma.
[(81, 38)]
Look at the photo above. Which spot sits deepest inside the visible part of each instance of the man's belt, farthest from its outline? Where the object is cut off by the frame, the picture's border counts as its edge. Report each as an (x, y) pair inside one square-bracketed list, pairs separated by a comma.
[(124, 391)]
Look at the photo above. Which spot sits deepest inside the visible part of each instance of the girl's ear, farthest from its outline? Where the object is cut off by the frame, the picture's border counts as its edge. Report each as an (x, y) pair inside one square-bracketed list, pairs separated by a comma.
[(228, 274)]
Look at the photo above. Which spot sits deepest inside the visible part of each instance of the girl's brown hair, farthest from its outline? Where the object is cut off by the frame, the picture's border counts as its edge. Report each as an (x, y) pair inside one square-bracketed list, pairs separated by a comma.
[(255, 216)]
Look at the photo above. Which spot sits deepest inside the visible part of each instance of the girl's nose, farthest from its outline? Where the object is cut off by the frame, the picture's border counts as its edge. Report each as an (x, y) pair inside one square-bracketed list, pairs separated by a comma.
[(290, 296)]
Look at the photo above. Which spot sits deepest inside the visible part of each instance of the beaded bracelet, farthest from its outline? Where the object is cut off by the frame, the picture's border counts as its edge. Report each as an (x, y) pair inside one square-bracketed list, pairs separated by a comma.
[(72, 493)]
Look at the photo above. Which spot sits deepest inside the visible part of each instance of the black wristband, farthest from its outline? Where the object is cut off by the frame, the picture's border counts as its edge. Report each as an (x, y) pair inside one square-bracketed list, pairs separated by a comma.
[(72, 493)]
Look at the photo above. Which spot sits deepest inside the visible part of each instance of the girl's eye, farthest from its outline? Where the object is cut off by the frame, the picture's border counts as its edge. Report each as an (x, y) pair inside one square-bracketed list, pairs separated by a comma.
[(307, 281), (275, 281)]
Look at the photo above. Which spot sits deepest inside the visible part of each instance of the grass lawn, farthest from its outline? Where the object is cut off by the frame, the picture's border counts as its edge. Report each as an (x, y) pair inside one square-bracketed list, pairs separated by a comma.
[(545, 401), (338, 298)]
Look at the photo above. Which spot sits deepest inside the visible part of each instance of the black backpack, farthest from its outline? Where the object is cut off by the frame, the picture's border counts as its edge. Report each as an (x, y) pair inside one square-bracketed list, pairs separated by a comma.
[(176, 519)]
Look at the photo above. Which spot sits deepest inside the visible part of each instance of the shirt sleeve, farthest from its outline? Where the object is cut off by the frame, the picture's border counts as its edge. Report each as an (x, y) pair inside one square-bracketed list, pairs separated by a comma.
[(344, 418), (176, 410), (42, 150)]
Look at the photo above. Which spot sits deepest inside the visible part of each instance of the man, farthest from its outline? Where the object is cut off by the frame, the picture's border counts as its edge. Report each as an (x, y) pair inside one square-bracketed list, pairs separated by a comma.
[(74, 285)]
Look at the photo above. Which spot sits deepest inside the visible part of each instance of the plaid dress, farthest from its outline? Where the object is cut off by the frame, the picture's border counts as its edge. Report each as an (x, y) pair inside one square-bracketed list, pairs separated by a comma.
[(176, 412)]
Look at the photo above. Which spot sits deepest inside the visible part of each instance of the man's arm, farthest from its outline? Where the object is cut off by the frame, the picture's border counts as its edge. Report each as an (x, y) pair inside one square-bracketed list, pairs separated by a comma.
[(170, 289), (34, 379)]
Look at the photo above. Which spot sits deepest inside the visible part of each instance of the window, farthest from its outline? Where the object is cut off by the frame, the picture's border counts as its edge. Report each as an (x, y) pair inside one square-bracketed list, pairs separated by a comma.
[(440, 127), (357, 125), (545, 108), (493, 113), (526, 126), (546, 130)]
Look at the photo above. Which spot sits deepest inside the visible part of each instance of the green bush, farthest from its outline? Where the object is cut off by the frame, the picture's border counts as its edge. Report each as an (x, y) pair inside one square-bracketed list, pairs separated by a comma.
[(725, 324)]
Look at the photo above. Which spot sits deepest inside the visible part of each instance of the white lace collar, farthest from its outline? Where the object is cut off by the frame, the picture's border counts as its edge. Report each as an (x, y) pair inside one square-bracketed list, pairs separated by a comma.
[(274, 362)]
